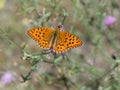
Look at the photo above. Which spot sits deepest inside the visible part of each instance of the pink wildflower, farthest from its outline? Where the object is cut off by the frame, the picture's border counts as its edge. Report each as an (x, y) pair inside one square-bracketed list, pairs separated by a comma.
[(7, 78), (109, 20)]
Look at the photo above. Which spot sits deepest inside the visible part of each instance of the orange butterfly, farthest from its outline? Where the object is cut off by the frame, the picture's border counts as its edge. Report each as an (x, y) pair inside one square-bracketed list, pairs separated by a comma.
[(54, 39)]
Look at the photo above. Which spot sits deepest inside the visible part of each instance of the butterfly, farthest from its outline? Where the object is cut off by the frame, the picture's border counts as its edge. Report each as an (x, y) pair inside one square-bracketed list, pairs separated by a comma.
[(55, 39)]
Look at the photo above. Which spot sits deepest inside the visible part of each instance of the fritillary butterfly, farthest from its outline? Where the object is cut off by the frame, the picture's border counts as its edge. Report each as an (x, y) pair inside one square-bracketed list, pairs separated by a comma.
[(56, 40)]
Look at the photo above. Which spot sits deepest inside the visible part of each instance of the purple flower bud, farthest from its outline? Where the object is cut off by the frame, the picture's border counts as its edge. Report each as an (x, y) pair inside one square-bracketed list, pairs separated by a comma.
[(109, 20), (7, 78)]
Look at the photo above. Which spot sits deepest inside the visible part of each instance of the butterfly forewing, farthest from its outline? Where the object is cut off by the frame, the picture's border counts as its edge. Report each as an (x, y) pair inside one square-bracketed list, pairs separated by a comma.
[(42, 35), (66, 41)]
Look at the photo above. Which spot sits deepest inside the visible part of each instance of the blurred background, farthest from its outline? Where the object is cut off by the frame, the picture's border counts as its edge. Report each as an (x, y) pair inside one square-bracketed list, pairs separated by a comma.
[(93, 66)]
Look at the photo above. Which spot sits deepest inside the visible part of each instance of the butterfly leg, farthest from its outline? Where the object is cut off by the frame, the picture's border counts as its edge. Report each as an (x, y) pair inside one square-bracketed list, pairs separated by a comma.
[(51, 51), (64, 56)]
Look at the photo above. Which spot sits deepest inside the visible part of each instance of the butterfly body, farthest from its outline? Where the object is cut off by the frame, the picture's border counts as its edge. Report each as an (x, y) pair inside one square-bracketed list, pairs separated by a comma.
[(54, 39)]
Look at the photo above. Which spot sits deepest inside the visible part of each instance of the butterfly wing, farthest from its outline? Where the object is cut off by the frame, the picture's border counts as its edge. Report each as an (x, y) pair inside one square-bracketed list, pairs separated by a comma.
[(42, 35), (66, 41)]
